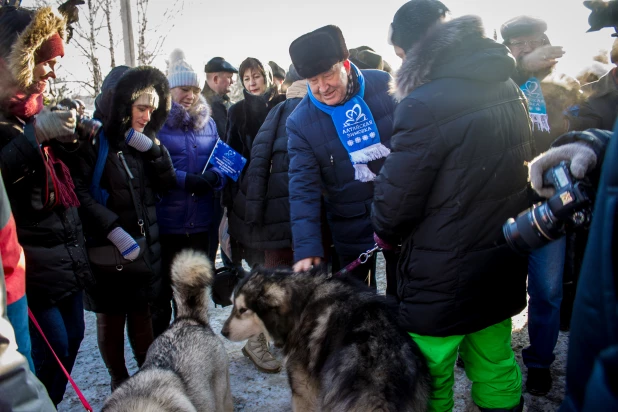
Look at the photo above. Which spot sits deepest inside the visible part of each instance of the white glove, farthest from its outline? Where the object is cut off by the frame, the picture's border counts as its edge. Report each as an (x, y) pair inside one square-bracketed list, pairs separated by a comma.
[(542, 58), (581, 157), (59, 125)]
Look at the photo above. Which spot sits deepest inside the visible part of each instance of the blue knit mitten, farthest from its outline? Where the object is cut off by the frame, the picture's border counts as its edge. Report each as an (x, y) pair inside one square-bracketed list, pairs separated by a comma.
[(138, 140), (124, 242)]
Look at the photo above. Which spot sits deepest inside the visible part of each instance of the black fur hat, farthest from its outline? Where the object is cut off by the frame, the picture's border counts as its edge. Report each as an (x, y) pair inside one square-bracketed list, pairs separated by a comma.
[(316, 52), (412, 21), (522, 26)]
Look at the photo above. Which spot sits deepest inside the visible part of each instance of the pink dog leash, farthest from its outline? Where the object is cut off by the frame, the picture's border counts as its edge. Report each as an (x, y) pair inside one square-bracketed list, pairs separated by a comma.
[(80, 395)]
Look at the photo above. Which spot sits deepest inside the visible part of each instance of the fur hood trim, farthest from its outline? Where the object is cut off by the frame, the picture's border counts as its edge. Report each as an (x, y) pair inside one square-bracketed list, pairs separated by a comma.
[(195, 118), (297, 89), (420, 58), (128, 89), (44, 24)]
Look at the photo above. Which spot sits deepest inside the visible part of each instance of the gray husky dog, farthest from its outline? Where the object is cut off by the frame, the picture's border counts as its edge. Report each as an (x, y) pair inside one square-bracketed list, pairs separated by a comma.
[(343, 348), (187, 367)]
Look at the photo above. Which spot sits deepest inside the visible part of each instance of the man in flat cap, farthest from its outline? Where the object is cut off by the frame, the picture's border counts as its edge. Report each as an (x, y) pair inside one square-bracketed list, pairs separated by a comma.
[(536, 57), (219, 80), (456, 173), (339, 135)]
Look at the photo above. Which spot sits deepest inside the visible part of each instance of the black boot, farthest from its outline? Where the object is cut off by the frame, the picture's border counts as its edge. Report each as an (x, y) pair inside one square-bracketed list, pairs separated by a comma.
[(110, 336), (539, 381), (139, 330), (518, 408)]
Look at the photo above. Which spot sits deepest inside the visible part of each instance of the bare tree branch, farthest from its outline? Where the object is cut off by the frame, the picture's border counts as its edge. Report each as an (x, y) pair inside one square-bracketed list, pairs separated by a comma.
[(107, 10)]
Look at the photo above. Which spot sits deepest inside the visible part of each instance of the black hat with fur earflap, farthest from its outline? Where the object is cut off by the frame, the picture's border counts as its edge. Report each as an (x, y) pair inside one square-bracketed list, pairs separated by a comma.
[(316, 52)]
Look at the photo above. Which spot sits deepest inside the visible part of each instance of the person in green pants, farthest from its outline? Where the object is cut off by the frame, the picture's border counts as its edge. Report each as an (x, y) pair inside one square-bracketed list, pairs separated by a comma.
[(455, 174)]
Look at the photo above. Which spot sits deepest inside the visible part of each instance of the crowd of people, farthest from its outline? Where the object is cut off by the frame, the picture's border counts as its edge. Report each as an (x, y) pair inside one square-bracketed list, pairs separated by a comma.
[(341, 153)]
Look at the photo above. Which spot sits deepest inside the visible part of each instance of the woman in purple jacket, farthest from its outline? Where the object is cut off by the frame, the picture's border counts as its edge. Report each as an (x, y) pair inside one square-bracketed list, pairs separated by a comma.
[(185, 213)]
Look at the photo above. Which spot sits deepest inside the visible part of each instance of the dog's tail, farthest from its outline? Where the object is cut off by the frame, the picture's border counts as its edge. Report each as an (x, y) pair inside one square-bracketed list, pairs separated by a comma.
[(192, 274)]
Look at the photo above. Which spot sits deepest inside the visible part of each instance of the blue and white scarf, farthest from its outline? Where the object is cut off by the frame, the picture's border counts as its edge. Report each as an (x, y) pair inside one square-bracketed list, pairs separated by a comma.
[(536, 104), (357, 130)]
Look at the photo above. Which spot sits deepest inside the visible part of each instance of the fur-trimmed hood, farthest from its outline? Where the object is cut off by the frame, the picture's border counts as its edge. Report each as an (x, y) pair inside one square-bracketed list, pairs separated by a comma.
[(455, 48), (195, 118), (128, 89), (45, 23)]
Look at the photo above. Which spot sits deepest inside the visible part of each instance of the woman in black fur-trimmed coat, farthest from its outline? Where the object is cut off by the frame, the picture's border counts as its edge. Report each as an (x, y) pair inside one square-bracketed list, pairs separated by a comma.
[(140, 104)]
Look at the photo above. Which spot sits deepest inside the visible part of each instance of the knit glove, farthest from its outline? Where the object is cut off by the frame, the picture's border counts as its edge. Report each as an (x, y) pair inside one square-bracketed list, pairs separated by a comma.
[(137, 140), (582, 159), (124, 242), (542, 58), (201, 184), (57, 124)]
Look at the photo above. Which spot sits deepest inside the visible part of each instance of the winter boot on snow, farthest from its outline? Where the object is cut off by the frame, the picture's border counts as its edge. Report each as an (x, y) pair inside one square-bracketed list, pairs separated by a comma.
[(257, 350)]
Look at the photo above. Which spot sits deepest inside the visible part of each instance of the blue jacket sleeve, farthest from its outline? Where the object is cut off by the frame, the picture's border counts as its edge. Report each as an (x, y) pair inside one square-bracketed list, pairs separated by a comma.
[(305, 195)]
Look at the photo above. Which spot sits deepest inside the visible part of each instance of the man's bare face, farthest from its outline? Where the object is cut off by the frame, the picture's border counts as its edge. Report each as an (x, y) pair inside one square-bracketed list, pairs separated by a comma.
[(330, 87), (524, 45)]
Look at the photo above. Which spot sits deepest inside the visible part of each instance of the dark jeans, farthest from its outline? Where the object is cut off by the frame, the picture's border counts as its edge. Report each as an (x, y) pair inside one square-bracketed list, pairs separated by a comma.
[(63, 324), (170, 246), (17, 312), (545, 267)]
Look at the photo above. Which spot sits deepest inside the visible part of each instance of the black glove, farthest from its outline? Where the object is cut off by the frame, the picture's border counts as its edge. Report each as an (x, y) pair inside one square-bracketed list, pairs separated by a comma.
[(201, 184)]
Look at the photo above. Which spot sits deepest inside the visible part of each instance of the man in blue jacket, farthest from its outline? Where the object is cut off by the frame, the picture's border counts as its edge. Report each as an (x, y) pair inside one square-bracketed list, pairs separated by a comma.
[(339, 135)]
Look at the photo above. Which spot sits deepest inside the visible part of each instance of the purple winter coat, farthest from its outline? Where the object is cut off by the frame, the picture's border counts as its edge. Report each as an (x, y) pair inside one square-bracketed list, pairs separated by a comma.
[(190, 136)]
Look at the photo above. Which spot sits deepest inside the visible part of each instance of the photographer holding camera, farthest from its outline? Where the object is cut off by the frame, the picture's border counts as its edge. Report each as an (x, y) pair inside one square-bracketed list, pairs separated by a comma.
[(593, 346), (40, 188)]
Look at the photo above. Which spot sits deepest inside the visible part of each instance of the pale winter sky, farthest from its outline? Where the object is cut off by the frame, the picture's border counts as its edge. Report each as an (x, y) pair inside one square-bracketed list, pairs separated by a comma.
[(264, 29)]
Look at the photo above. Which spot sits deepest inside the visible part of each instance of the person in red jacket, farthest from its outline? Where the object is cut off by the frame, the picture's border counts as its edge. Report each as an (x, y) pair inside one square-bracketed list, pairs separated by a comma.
[(14, 266)]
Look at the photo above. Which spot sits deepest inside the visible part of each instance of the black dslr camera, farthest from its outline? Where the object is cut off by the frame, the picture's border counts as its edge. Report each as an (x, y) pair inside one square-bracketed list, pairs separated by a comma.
[(86, 128), (545, 222)]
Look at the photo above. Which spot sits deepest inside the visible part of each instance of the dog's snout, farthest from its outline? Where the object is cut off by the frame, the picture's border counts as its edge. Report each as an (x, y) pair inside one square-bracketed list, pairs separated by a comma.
[(225, 331)]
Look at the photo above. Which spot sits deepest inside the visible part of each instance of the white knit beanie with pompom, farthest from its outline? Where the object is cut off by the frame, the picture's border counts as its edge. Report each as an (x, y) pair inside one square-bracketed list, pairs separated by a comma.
[(180, 72)]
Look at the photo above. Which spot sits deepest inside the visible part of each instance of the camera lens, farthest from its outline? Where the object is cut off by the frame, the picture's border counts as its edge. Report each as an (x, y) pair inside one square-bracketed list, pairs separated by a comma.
[(532, 229)]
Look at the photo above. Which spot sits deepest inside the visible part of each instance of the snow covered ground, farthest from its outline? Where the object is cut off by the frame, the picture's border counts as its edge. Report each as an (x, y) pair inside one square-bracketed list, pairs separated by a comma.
[(256, 391)]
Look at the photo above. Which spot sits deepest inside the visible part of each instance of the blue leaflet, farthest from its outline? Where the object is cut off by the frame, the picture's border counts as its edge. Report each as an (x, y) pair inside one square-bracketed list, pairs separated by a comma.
[(227, 160)]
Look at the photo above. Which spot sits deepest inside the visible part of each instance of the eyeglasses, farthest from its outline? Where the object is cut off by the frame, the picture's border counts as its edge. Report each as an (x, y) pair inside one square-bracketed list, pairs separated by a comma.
[(532, 43)]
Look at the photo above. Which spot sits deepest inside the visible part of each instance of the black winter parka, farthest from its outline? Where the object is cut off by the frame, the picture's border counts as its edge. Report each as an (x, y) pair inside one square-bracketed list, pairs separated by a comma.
[(122, 292), (456, 173)]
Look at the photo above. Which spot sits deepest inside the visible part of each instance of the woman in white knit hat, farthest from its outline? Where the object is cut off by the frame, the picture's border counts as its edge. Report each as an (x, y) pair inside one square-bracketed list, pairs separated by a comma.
[(118, 188), (185, 213)]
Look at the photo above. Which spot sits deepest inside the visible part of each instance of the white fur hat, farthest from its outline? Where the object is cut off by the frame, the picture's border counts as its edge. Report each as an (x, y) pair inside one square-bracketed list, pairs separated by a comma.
[(180, 72)]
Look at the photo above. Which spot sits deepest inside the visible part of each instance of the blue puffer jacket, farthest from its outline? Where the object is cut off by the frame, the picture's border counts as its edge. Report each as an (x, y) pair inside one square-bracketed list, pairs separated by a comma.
[(190, 137), (320, 166)]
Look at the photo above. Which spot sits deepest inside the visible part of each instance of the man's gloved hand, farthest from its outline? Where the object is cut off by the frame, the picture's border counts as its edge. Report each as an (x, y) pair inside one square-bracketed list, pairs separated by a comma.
[(124, 242), (201, 184), (582, 159), (58, 125), (541, 58)]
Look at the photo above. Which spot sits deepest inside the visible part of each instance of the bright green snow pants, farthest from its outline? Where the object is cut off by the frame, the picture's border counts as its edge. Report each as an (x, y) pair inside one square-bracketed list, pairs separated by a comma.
[(489, 361)]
